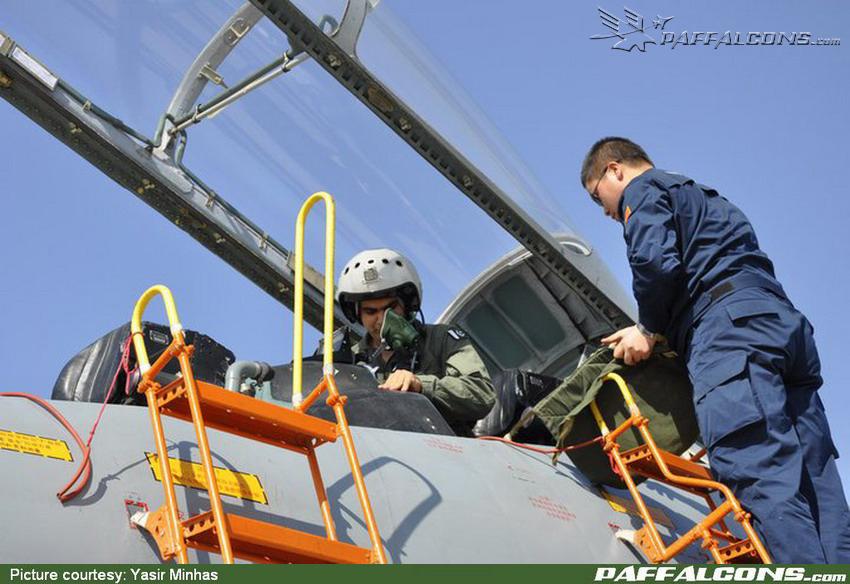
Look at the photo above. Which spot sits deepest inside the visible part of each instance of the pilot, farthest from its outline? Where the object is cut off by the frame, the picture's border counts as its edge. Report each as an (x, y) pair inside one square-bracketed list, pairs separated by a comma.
[(701, 280), (380, 289)]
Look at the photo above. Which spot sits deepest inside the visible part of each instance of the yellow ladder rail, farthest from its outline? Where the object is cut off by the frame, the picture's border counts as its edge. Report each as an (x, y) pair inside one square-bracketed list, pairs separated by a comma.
[(298, 321)]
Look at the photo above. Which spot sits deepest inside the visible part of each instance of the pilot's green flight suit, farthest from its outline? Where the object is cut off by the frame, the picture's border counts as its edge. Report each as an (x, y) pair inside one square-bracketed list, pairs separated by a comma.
[(452, 374)]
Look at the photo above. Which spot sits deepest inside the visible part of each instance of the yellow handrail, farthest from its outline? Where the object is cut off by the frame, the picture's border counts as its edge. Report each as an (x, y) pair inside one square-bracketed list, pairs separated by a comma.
[(298, 333), (624, 389), (627, 397), (136, 323)]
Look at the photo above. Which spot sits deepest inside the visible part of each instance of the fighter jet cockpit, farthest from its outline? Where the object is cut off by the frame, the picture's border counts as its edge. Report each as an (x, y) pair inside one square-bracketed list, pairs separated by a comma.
[(224, 116)]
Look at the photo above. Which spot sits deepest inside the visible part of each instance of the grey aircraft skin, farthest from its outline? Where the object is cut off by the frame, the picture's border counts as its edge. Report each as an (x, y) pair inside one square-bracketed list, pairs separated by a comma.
[(437, 499)]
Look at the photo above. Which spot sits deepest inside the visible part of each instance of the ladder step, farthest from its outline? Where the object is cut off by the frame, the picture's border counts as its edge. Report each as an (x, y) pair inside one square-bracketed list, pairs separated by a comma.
[(740, 552), (261, 542), (640, 460), (245, 416)]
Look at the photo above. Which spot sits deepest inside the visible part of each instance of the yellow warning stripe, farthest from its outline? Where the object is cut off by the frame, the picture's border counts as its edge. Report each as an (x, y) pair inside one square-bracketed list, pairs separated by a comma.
[(191, 474), (628, 506), (37, 445)]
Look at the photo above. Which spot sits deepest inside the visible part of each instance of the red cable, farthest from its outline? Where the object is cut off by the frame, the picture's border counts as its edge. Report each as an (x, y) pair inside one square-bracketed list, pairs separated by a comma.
[(614, 468), (125, 353), (569, 448), (64, 495), (85, 465)]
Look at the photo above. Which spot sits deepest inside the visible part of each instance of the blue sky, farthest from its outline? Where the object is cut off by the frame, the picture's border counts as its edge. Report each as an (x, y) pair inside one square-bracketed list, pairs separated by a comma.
[(764, 125)]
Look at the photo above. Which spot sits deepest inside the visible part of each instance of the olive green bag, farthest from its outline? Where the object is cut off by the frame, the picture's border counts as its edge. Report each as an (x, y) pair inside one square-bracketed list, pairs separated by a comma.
[(660, 387)]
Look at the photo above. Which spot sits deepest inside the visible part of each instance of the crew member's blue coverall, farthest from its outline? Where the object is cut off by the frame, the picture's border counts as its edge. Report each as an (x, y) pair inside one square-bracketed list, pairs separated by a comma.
[(702, 281)]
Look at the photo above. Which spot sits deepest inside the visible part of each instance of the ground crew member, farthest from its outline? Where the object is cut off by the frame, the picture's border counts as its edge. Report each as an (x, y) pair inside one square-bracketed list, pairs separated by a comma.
[(438, 361), (701, 280)]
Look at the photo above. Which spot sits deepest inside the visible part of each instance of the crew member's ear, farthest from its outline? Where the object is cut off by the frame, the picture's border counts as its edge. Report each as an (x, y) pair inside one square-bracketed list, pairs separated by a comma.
[(618, 170)]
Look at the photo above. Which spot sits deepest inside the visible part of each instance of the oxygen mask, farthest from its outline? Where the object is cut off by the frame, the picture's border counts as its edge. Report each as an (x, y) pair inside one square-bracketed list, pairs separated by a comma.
[(397, 333)]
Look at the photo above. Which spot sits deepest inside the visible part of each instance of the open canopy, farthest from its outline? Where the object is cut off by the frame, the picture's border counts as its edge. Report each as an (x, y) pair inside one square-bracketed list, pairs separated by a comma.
[(296, 130)]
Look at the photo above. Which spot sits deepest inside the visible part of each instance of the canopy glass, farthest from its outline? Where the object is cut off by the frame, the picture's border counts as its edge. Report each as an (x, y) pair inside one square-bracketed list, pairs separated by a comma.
[(301, 132)]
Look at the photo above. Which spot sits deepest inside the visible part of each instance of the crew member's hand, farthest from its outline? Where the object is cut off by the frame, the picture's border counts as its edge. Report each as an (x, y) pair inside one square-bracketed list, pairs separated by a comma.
[(630, 345), (402, 380)]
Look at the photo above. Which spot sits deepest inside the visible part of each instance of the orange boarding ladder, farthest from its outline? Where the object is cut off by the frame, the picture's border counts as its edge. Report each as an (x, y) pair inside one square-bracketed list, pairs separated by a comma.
[(207, 405), (650, 461)]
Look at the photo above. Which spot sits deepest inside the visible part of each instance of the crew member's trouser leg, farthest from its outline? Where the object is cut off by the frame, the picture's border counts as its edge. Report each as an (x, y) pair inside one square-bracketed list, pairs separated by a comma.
[(764, 465), (823, 488), (755, 371)]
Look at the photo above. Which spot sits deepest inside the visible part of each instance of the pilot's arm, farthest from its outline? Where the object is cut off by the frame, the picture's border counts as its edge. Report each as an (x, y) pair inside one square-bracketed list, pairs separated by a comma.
[(465, 393)]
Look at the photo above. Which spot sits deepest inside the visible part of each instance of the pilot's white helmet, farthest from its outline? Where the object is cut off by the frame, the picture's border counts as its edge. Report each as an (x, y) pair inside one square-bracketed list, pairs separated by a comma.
[(376, 273)]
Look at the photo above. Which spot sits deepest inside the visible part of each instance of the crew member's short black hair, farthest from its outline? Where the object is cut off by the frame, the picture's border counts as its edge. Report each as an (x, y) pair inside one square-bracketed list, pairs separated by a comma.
[(607, 150)]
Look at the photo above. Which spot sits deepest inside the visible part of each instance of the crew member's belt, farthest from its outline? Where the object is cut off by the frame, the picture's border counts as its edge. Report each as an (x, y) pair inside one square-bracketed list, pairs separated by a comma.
[(737, 282)]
